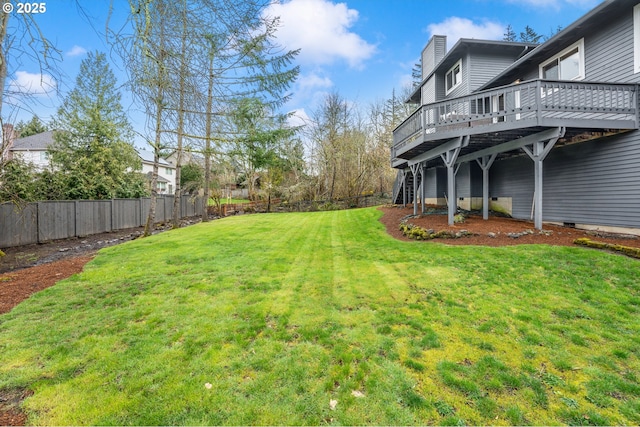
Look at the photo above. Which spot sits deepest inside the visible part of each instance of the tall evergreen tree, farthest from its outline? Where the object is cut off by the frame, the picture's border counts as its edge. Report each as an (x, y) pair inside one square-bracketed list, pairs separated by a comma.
[(509, 34), (529, 35), (32, 127), (183, 55), (92, 149), (416, 74), (259, 147)]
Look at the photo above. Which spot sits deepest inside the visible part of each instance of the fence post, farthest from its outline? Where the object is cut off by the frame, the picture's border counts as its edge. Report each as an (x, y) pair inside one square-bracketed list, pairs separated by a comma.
[(76, 213), (140, 223), (113, 214), (38, 239)]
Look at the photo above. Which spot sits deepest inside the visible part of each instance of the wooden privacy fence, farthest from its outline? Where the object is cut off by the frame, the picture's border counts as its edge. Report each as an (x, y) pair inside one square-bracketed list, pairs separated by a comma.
[(49, 220), (281, 205)]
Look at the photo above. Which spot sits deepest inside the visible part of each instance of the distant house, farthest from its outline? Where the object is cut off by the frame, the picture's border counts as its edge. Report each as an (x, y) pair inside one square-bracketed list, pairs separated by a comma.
[(166, 172), (187, 157), (33, 149), (549, 132)]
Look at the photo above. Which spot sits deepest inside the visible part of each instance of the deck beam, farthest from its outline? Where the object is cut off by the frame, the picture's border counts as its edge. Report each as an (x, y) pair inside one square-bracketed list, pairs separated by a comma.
[(451, 144)]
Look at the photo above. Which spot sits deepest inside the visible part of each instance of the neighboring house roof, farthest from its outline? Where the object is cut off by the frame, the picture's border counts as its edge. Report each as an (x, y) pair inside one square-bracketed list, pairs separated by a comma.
[(159, 178), (37, 142), (187, 157), (147, 157), (42, 141), (587, 24)]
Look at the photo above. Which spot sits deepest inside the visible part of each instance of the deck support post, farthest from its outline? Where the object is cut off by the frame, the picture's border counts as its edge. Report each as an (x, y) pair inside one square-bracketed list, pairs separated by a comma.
[(485, 163), (404, 189), (423, 191), (414, 171), (538, 153), (449, 158)]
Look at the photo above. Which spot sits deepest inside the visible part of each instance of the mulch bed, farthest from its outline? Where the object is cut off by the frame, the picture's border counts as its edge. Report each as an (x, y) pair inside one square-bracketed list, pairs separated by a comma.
[(17, 286), (500, 227)]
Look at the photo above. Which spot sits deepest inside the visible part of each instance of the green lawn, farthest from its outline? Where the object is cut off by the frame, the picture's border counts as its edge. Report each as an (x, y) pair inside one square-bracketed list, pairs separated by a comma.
[(266, 319)]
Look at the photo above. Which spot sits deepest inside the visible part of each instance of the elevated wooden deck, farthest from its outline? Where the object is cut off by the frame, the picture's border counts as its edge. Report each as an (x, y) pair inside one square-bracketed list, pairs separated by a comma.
[(496, 116)]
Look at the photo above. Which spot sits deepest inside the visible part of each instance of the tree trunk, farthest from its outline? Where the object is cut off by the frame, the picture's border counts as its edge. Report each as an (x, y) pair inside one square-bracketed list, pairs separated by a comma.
[(159, 103), (4, 139), (151, 217), (177, 195), (207, 149), (4, 22)]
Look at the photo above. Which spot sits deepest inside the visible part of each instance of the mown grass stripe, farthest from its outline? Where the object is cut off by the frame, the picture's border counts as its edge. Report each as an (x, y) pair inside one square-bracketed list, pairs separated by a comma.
[(283, 313)]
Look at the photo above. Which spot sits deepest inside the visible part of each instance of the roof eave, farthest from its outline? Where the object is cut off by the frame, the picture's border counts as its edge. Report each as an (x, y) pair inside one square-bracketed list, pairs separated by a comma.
[(571, 32)]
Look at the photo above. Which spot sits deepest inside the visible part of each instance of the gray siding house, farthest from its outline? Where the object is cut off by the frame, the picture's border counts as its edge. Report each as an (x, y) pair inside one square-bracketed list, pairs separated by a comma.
[(547, 132)]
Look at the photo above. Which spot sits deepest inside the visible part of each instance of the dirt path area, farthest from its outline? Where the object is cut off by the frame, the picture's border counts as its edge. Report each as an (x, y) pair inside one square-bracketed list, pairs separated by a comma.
[(29, 269)]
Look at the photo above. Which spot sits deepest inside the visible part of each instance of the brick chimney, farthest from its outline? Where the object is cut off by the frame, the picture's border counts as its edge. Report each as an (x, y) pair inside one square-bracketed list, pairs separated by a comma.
[(9, 135)]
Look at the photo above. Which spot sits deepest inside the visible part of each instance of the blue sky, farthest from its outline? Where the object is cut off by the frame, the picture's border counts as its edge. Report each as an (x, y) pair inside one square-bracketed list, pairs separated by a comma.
[(362, 49)]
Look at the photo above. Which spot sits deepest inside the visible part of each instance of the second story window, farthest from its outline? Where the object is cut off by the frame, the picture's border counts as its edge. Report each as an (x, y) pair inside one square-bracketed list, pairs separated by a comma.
[(567, 65), (636, 38), (453, 77), (168, 171)]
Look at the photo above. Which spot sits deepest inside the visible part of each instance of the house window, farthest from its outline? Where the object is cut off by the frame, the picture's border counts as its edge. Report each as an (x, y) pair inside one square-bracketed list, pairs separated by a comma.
[(567, 65), (168, 171), (636, 38), (453, 78), (44, 156)]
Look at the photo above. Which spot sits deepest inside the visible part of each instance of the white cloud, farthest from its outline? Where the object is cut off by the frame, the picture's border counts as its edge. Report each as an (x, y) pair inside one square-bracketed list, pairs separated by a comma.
[(34, 84), (321, 29), (298, 118), (310, 86), (456, 28), (76, 51), (313, 81)]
